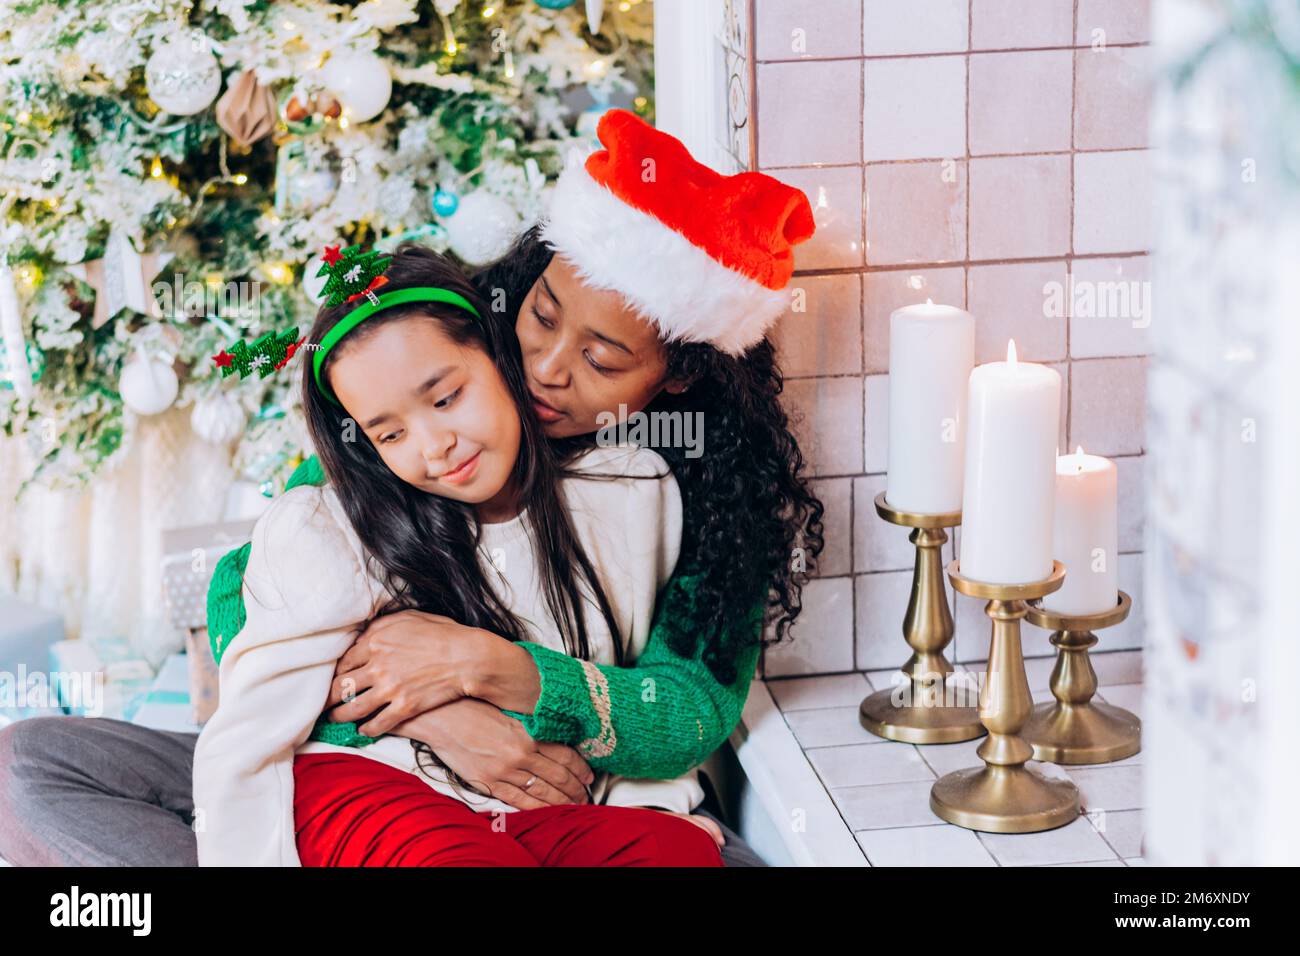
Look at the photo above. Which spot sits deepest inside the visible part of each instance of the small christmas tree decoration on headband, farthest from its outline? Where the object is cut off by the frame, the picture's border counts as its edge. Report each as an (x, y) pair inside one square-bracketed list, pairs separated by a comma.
[(352, 274), (267, 354)]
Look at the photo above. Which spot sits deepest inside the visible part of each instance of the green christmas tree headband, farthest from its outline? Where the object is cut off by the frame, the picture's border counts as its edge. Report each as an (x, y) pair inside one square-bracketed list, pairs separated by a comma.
[(353, 274)]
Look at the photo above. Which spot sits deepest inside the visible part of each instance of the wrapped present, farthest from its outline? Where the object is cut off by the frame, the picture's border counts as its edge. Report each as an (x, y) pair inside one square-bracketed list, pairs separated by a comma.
[(84, 684), (189, 557), (166, 704)]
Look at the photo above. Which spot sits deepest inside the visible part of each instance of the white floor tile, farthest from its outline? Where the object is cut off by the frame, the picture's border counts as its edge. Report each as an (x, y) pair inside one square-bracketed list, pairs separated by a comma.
[(1134, 861), (1109, 788), (1122, 829), (862, 765), (885, 806), (810, 693), (1119, 863), (1075, 842), (945, 758), (829, 727), (941, 845)]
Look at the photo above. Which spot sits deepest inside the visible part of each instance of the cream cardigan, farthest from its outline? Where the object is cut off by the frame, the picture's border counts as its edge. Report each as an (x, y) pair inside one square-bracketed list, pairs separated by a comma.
[(308, 586)]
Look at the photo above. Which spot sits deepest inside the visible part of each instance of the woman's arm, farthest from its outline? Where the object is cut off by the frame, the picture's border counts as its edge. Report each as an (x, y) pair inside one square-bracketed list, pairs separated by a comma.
[(657, 719)]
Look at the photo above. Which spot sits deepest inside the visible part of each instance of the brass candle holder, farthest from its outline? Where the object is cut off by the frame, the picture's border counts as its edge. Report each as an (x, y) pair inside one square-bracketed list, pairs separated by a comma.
[(1005, 796), (1074, 728), (924, 716)]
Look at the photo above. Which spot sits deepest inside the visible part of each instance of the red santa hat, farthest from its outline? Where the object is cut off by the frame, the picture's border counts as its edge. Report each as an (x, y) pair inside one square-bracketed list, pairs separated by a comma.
[(703, 256)]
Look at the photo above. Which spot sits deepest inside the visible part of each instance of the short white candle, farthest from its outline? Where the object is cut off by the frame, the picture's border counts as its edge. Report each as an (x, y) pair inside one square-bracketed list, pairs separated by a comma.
[(931, 354), (1085, 534), (1014, 413)]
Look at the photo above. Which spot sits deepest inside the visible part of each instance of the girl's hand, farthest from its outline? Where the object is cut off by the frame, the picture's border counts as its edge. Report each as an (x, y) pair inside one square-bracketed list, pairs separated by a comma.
[(495, 754), (402, 665), (704, 823)]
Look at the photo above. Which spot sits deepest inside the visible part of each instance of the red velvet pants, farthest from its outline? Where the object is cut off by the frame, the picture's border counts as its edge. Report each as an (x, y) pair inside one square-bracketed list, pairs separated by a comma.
[(350, 810)]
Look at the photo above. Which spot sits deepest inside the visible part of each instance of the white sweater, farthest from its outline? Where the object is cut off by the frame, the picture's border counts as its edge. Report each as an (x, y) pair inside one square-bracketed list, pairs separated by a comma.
[(306, 589)]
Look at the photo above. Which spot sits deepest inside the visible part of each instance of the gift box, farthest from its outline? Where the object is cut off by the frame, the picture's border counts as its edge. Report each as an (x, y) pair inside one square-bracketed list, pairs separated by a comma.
[(190, 557), (166, 705), (91, 679)]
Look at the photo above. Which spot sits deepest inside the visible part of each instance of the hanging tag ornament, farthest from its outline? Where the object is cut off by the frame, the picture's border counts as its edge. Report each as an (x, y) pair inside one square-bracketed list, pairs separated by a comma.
[(122, 279)]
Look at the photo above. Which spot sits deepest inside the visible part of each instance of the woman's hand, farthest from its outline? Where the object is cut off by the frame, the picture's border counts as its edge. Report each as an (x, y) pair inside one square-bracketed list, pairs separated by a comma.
[(495, 754), (402, 665), (704, 823)]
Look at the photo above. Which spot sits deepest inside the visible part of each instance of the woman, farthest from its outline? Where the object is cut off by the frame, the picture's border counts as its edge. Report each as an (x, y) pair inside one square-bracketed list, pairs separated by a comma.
[(744, 495), (75, 791)]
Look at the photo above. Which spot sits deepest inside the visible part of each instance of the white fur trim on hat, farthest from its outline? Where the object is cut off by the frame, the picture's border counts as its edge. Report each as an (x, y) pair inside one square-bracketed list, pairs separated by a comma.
[(685, 292)]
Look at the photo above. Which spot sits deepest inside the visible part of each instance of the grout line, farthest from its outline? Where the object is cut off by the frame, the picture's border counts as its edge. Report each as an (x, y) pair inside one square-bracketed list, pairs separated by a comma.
[(920, 160), (966, 252), (964, 263), (937, 53)]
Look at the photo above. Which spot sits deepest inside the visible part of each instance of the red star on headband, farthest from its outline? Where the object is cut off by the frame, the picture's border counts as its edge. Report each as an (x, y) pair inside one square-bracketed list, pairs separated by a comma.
[(331, 254), (223, 359)]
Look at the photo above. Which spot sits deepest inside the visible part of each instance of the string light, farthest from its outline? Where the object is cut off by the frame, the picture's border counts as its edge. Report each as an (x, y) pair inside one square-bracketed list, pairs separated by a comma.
[(24, 117), (489, 12), (279, 272), (510, 64), (240, 179), (30, 276), (156, 168)]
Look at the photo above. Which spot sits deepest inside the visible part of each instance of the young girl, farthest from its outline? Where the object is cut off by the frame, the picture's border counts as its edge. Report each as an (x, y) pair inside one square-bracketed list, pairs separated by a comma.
[(447, 502)]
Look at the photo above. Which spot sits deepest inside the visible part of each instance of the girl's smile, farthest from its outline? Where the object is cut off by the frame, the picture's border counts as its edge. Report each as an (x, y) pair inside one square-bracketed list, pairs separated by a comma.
[(463, 473)]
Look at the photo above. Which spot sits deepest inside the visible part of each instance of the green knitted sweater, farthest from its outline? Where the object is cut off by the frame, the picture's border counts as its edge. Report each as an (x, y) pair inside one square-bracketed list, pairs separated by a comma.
[(654, 720)]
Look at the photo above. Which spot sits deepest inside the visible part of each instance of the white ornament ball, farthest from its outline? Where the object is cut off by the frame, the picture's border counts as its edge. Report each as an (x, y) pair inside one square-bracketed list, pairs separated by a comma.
[(361, 82), (482, 229), (218, 419), (148, 386), (182, 75)]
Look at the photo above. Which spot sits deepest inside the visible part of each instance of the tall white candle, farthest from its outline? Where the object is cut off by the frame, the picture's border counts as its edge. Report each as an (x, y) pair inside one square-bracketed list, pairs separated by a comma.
[(931, 354), (1085, 534), (1014, 413)]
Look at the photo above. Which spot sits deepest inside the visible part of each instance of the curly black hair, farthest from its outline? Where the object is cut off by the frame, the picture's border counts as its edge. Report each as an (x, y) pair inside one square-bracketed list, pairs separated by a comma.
[(752, 526)]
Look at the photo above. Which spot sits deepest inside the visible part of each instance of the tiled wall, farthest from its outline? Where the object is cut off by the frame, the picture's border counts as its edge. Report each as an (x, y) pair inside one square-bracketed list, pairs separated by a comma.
[(969, 151)]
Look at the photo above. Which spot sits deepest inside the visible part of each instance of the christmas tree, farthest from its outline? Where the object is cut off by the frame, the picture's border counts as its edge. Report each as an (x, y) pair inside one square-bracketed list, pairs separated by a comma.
[(169, 172)]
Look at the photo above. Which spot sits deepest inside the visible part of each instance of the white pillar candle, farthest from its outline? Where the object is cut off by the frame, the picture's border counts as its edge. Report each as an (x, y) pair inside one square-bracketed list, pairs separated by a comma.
[(1014, 411), (1085, 534), (931, 354)]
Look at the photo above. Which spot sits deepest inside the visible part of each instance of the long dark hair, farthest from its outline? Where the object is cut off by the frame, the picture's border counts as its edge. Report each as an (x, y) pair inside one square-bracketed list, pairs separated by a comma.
[(425, 546), (753, 527)]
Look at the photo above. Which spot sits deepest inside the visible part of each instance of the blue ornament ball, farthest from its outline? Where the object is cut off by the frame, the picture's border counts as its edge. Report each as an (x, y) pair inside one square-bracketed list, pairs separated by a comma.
[(554, 4), (445, 203)]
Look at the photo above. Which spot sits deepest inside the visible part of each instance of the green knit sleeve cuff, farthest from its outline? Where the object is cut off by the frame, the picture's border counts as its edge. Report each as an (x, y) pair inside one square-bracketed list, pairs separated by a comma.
[(343, 735), (563, 697)]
